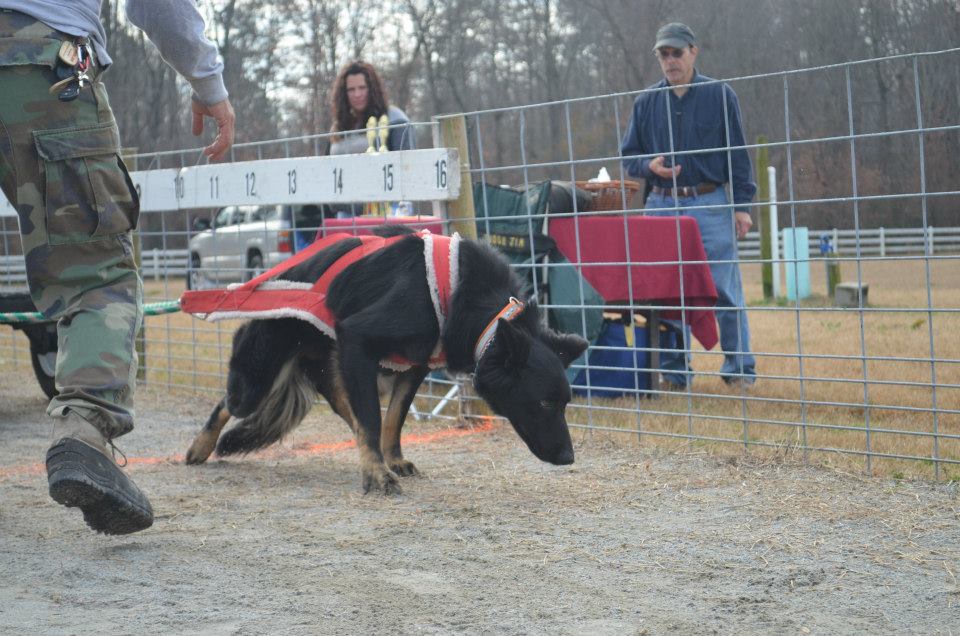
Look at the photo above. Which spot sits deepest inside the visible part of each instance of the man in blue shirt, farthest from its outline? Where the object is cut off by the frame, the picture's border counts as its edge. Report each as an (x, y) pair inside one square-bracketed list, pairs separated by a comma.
[(682, 138)]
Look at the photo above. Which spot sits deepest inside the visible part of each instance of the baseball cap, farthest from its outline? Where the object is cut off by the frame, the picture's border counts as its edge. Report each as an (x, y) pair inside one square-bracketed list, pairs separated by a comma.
[(675, 35)]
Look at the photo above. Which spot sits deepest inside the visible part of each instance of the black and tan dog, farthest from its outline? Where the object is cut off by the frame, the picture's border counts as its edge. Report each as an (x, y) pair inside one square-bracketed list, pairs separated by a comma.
[(383, 307)]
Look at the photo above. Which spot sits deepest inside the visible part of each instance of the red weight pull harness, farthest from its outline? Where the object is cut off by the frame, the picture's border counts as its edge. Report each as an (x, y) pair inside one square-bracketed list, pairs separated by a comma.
[(265, 298)]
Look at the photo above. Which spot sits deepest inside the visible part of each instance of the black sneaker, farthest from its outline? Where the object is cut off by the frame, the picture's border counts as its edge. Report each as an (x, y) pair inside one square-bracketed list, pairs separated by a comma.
[(80, 476)]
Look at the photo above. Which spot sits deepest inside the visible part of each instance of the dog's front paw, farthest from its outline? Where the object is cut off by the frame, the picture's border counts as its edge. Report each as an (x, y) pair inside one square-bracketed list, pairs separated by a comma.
[(382, 479), (403, 467), (203, 444)]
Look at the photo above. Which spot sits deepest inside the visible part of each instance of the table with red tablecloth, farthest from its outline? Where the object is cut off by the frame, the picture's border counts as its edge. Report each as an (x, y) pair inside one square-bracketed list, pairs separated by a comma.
[(651, 275), (361, 225)]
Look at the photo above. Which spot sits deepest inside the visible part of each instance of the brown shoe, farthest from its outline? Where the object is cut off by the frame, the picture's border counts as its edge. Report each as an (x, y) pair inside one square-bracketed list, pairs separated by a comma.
[(741, 384)]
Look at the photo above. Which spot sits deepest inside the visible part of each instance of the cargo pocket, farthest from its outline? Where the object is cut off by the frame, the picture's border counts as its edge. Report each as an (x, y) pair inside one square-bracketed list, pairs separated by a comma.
[(21, 51), (88, 194)]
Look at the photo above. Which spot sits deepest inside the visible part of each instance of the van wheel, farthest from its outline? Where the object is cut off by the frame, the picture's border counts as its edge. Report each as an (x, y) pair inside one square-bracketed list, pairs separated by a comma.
[(194, 276), (254, 266)]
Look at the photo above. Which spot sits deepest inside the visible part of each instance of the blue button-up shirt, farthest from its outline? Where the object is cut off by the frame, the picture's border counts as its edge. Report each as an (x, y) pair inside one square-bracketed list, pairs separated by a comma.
[(697, 124)]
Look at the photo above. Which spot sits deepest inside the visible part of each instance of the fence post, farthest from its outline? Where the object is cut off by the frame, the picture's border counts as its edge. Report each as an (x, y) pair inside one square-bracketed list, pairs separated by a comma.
[(763, 216), (439, 208), (836, 241), (460, 213), (930, 242), (774, 232), (883, 243), (833, 273), (156, 264)]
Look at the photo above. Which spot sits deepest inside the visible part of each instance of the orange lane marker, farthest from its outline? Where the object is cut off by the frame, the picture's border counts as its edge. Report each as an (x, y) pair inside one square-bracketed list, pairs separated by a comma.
[(485, 424)]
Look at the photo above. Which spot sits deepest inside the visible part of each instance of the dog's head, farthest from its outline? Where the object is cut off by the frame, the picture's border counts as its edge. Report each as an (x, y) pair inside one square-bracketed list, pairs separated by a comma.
[(521, 376)]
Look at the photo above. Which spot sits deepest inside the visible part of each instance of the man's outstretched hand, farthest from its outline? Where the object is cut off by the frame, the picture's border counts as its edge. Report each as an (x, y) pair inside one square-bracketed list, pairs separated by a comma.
[(222, 113)]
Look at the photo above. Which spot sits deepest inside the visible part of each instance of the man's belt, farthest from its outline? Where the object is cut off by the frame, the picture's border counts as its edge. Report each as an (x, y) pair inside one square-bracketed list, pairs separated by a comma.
[(686, 191)]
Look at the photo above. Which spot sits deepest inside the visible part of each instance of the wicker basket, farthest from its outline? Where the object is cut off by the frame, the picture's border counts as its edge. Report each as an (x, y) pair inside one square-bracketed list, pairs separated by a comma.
[(607, 195)]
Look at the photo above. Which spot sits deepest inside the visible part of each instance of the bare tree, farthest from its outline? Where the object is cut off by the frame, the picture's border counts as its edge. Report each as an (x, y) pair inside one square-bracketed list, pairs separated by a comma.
[(282, 56)]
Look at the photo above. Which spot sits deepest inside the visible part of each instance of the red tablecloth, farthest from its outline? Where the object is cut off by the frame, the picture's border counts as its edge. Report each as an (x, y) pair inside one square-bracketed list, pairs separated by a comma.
[(654, 270), (360, 225)]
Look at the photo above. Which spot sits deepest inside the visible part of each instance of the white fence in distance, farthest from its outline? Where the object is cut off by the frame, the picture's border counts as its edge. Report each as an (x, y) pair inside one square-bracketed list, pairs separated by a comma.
[(876, 242), (157, 264)]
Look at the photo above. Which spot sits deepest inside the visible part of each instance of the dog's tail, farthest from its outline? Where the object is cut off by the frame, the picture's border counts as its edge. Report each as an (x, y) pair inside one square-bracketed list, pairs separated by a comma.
[(288, 402)]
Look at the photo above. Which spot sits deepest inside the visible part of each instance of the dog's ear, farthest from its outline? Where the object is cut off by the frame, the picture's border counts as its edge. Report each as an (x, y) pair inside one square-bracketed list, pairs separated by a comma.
[(529, 320), (514, 344), (567, 346)]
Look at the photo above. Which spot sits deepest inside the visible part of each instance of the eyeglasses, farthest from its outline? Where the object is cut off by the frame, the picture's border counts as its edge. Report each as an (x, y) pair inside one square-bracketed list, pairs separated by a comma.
[(674, 53)]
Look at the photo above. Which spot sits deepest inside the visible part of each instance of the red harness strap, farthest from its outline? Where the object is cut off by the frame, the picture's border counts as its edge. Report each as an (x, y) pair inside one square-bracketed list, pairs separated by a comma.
[(261, 294)]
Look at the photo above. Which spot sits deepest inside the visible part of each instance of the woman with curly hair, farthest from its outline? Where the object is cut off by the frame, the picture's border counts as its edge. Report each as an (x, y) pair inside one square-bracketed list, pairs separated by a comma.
[(357, 95)]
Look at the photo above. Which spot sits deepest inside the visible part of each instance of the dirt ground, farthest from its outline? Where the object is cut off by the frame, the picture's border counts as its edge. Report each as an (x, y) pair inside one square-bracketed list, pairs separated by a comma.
[(488, 540)]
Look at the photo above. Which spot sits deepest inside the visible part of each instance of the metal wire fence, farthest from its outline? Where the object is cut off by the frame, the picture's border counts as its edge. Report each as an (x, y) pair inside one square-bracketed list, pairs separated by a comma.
[(869, 376), (867, 372)]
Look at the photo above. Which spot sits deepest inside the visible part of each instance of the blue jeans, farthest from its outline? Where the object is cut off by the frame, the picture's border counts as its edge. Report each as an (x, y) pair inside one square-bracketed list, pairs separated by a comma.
[(719, 241)]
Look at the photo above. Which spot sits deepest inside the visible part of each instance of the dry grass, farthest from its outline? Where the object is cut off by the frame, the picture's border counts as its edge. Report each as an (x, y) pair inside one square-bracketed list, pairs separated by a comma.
[(840, 394), (836, 394)]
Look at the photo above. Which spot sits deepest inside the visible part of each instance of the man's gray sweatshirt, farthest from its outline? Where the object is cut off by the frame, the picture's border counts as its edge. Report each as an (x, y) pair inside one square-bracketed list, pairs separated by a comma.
[(174, 26)]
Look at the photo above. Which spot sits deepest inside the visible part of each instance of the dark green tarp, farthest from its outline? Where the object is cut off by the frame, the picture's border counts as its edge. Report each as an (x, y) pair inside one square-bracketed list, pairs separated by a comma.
[(513, 220)]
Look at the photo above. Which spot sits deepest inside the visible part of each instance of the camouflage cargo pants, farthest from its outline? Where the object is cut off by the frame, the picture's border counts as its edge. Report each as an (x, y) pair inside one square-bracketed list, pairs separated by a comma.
[(60, 169)]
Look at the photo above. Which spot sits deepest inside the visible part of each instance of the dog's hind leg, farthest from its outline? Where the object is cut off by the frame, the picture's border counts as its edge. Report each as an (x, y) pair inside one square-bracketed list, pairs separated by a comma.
[(206, 440), (405, 387)]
